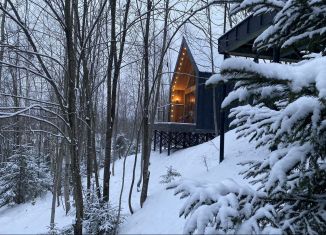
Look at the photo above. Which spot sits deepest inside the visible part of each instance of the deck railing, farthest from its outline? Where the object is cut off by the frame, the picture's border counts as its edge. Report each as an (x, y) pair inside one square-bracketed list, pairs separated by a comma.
[(163, 113)]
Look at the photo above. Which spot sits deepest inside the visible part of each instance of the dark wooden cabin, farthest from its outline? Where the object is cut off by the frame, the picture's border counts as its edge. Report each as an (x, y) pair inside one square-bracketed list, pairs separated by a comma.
[(189, 119), (190, 101)]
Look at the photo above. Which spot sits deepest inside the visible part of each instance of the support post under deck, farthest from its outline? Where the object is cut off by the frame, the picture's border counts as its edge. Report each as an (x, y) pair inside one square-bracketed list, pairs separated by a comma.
[(169, 143), (155, 137), (183, 140), (222, 122), (222, 125), (161, 136)]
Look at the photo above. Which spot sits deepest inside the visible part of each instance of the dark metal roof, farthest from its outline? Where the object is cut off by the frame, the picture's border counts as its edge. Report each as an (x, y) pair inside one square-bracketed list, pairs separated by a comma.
[(239, 40)]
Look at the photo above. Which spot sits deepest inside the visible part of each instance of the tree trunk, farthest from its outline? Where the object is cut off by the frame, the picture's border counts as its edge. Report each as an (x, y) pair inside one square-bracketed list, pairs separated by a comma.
[(89, 128), (158, 76), (95, 165), (56, 180), (2, 39), (110, 102), (210, 35), (60, 159), (15, 88), (71, 72), (66, 190), (121, 192), (112, 95), (133, 174), (145, 145)]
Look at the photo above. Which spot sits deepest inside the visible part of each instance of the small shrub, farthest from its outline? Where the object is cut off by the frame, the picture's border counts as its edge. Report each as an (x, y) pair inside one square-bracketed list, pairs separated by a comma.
[(100, 217), (170, 175)]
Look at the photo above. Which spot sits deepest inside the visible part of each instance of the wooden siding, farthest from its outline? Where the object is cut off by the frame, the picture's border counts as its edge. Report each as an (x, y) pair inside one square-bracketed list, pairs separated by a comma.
[(183, 90)]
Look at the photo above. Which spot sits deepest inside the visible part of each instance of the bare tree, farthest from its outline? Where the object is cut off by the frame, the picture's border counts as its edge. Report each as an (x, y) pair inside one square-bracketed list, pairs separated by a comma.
[(112, 83)]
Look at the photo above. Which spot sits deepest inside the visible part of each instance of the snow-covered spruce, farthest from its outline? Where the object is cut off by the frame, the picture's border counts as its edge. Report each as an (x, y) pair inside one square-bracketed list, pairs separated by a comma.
[(100, 218), (220, 208), (297, 23), (23, 177), (287, 113), (283, 107), (170, 175)]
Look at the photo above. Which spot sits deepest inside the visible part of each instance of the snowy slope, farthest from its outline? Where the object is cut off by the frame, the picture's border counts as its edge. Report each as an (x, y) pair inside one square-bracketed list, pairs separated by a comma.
[(160, 211), (31, 219)]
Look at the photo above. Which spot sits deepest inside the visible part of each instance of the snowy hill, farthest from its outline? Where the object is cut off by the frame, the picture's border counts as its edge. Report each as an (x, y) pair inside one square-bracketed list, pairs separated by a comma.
[(160, 212)]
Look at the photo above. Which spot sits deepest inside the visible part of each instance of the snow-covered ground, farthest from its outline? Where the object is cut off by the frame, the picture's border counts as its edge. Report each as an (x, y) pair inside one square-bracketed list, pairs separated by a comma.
[(159, 214)]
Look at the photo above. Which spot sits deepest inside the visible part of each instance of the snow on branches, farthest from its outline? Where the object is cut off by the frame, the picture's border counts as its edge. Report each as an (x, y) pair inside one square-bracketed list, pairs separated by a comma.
[(283, 107), (99, 217), (304, 75), (292, 123), (297, 23), (258, 6), (23, 177), (223, 207)]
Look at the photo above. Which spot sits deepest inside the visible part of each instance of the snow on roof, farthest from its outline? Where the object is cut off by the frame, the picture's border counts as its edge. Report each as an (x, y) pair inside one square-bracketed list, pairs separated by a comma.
[(196, 34), (200, 51)]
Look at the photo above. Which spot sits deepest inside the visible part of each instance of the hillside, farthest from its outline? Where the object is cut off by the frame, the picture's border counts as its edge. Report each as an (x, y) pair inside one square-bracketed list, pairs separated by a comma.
[(160, 212)]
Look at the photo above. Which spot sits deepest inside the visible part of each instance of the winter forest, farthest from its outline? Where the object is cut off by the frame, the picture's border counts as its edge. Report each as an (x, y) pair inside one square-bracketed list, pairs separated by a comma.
[(162, 117)]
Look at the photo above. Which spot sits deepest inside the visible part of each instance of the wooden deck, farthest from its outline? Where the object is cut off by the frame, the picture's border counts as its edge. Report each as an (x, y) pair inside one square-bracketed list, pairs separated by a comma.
[(174, 135), (179, 127)]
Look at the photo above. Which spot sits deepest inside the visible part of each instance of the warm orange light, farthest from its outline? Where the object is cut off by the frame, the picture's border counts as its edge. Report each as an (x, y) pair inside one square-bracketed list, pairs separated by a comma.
[(176, 100)]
